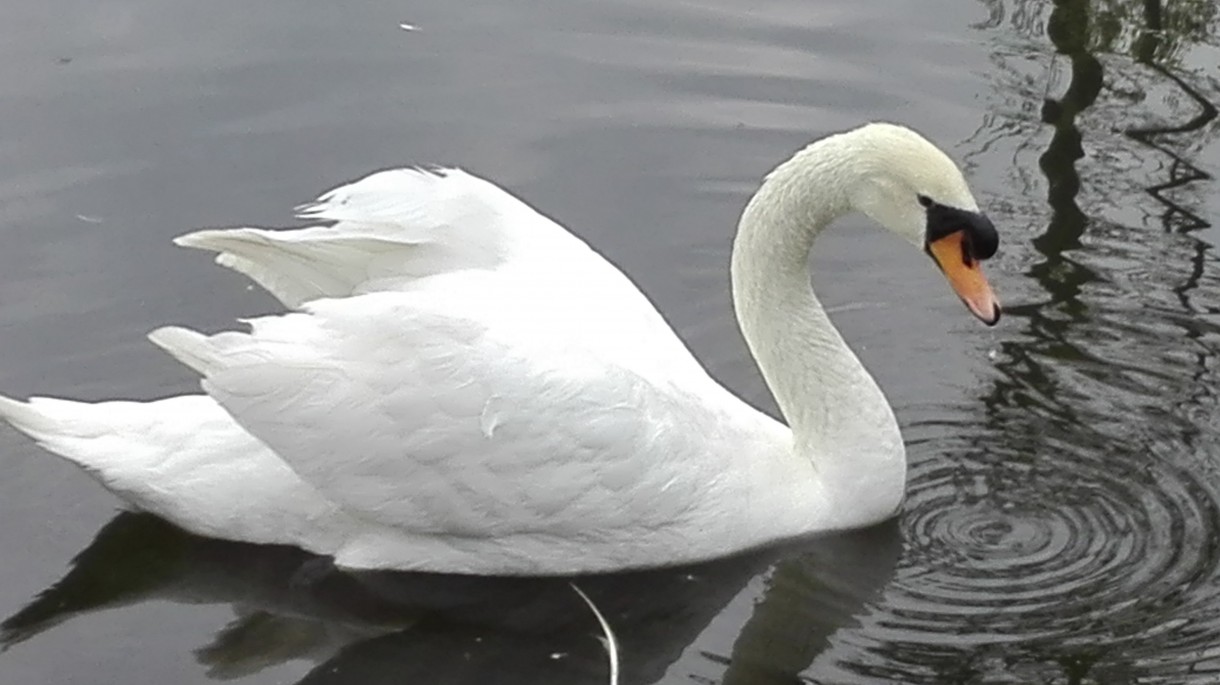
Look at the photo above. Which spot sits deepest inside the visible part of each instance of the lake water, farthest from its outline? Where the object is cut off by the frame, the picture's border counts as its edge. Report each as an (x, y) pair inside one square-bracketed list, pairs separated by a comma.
[(1064, 497)]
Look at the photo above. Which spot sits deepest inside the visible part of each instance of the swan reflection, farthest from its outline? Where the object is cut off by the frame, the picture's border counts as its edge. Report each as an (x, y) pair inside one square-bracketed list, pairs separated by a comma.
[(402, 627)]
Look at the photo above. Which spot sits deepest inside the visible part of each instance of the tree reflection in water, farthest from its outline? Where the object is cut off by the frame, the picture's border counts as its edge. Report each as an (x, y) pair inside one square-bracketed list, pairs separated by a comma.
[(1080, 508)]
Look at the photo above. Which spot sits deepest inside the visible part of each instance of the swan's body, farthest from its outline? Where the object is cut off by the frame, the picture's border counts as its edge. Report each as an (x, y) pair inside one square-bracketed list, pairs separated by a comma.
[(465, 386)]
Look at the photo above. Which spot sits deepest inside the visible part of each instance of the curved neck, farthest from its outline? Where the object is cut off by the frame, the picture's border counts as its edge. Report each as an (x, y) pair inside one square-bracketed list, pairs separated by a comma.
[(839, 418)]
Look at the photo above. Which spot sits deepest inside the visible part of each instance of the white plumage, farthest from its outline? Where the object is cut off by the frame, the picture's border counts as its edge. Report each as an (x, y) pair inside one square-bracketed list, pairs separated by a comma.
[(464, 386)]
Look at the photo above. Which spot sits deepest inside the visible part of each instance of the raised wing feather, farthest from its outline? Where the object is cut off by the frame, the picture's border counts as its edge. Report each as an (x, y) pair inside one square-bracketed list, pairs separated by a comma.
[(390, 228), (436, 416)]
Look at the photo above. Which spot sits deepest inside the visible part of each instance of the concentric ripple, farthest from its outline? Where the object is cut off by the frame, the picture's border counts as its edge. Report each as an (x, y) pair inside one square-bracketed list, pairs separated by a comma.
[(1060, 552)]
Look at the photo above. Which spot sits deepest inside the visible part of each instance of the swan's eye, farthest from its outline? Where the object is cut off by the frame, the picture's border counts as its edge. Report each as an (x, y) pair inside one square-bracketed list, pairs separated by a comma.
[(968, 258), (981, 239), (925, 201)]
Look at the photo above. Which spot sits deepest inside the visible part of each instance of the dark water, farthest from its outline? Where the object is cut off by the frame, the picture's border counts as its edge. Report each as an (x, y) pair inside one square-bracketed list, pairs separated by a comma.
[(1065, 484)]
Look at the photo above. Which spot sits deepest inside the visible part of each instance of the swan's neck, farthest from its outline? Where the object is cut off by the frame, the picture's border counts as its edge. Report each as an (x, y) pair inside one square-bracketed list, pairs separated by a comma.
[(840, 420)]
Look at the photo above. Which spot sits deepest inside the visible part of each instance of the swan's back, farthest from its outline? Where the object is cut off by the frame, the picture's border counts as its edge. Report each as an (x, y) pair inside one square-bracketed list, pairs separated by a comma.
[(472, 443)]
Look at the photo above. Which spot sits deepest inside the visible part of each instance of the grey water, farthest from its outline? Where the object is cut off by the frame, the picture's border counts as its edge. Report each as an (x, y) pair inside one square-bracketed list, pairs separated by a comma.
[(1064, 494)]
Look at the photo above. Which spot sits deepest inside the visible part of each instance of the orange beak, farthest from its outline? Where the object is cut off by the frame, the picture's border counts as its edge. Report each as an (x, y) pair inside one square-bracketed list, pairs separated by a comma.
[(965, 275)]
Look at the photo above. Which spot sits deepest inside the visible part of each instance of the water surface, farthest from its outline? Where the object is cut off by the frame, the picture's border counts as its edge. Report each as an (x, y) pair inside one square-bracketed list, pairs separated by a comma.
[(1063, 497)]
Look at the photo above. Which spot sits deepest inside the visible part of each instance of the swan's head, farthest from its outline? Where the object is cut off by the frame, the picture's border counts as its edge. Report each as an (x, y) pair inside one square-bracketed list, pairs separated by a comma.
[(911, 187)]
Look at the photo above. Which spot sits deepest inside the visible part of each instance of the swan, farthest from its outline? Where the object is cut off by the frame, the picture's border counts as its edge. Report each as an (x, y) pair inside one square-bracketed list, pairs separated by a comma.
[(461, 385)]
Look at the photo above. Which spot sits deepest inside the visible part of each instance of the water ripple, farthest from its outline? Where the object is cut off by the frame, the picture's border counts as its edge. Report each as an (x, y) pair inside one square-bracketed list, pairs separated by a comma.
[(1064, 549)]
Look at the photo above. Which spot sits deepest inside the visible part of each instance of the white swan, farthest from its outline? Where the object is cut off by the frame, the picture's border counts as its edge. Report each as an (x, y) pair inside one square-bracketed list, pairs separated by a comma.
[(467, 387)]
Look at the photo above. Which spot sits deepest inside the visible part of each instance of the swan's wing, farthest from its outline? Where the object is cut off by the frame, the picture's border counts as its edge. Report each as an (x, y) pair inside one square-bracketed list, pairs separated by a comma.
[(446, 416), (389, 229), (411, 229)]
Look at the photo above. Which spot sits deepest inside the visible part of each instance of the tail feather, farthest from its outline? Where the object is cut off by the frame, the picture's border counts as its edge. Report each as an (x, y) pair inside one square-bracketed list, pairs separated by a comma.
[(45, 419), (115, 441), (192, 348), (185, 460)]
